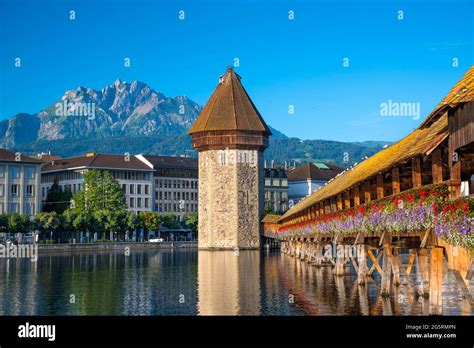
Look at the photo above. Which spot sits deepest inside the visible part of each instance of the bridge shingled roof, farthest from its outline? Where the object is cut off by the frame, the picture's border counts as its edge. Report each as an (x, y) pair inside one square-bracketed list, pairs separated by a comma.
[(432, 131)]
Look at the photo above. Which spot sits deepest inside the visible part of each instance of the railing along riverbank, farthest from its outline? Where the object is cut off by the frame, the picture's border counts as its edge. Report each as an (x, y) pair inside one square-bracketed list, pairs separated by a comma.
[(112, 246)]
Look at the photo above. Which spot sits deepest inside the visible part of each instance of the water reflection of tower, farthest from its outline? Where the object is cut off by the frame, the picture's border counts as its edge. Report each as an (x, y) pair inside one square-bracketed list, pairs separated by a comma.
[(229, 283)]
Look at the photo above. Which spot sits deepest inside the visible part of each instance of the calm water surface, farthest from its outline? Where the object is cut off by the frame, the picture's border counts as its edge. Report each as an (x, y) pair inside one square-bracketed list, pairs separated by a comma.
[(188, 282)]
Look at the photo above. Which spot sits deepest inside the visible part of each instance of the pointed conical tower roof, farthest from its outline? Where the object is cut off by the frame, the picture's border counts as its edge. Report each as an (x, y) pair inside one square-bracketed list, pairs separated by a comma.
[(230, 109)]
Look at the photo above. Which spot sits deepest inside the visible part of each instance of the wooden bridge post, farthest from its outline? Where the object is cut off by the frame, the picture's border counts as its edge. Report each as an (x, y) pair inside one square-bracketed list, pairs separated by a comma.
[(297, 249), (319, 255), (339, 269), (395, 267), (302, 248), (436, 281), (307, 249), (386, 270), (310, 253), (423, 268), (339, 254), (362, 262)]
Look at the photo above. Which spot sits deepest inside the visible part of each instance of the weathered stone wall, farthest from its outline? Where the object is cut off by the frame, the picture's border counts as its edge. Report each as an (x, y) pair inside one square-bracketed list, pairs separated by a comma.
[(230, 199)]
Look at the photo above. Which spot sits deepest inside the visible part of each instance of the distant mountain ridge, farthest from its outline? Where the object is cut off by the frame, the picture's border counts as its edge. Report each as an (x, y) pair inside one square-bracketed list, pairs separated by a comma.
[(121, 109), (134, 118)]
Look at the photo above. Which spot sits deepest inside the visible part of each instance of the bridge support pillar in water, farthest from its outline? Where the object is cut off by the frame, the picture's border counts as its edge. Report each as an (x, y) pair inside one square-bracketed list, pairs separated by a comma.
[(318, 255), (390, 268), (436, 281), (340, 261), (395, 267), (386, 270), (362, 265), (423, 271)]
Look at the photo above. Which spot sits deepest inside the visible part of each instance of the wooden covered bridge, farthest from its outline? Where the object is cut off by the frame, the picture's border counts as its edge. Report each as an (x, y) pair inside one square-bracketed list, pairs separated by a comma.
[(415, 197)]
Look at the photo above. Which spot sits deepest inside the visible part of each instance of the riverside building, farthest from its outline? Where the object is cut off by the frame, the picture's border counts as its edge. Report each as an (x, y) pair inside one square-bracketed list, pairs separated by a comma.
[(165, 184), (19, 183)]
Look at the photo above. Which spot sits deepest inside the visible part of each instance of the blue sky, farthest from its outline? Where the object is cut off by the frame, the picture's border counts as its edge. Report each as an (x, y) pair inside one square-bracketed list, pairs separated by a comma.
[(282, 62)]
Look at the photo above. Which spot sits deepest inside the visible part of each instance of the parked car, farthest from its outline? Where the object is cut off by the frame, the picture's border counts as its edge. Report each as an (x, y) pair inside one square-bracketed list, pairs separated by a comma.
[(156, 240)]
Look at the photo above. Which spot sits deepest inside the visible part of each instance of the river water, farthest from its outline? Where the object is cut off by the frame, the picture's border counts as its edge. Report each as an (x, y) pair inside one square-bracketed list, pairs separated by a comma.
[(191, 282)]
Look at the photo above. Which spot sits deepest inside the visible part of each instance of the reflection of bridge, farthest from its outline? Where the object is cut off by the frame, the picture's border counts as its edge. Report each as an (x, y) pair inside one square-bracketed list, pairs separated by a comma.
[(415, 196)]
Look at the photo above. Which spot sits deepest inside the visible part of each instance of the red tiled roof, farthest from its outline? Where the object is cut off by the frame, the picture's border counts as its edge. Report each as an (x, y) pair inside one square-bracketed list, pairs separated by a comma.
[(6, 155), (310, 171), (97, 161)]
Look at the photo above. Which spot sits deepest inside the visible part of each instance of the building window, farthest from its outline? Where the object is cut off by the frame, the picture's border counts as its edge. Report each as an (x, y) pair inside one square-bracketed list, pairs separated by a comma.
[(2, 190), (14, 208), (15, 190), (132, 189), (147, 202), (124, 188), (147, 189), (30, 190), (30, 172), (132, 202), (30, 209), (2, 171), (15, 172), (139, 202), (139, 189)]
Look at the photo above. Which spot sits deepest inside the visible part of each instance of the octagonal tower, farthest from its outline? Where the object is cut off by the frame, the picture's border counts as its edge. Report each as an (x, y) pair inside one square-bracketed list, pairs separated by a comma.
[(230, 136)]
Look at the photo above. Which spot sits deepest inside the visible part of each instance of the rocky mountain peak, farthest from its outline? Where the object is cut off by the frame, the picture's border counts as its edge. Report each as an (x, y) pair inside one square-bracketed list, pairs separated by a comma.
[(119, 109)]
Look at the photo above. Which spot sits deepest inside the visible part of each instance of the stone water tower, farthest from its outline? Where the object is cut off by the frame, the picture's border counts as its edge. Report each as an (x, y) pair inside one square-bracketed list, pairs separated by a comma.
[(230, 136)]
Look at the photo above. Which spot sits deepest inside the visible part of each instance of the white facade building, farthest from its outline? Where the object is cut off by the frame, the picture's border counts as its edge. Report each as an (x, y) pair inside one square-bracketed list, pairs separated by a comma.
[(276, 190), (175, 181), (19, 183), (134, 176), (165, 184)]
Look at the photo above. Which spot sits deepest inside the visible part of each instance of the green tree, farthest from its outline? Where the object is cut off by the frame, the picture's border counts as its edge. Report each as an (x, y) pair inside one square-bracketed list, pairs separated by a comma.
[(148, 220), (131, 222), (57, 199), (101, 204), (191, 220), (47, 223), (169, 221), (18, 223), (68, 222)]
